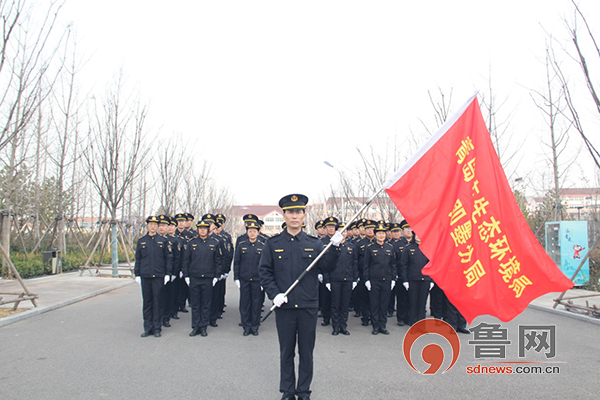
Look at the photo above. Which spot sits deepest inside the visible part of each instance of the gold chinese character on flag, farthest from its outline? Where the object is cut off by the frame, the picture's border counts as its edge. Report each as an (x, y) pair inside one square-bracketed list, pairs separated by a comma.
[(518, 285), (469, 170), (457, 212), (462, 233), (510, 268), (463, 151), (474, 273)]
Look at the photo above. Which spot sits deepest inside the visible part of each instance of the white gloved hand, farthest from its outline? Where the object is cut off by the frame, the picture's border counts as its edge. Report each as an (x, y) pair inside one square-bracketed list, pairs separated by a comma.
[(180, 274), (336, 239), (237, 283), (393, 284), (187, 280), (320, 277), (328, 286), (280, 299), (368, 285), (354, 285), (138, 279), (167, 279), (405, 285), (222, 277), (431, 285), (173, 278), (225, 275), (215, 280)]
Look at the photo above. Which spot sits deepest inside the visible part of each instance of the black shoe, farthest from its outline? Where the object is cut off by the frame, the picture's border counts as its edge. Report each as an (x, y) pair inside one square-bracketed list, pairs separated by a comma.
[(194, 332), (324, 323), (254, 333), (183, 310), (288, 397), (400, 323), (390, 314), (246, 333), (175, 316), (214, 324), (157, 334), (375, 331), (166, 324), (344, 332), (304, 397), (335, 332), (203, 332), (357, 314), (146, 334), (463, 330), (365, 323), (384, 331)]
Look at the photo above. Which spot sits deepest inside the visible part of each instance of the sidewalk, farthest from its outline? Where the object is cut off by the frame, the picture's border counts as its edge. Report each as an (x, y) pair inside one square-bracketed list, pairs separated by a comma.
[(546, 303), (55, 291)]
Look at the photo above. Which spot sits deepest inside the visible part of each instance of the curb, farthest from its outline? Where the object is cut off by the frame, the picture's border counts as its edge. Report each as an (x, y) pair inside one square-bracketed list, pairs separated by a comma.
[(41, 310), (565, 313)]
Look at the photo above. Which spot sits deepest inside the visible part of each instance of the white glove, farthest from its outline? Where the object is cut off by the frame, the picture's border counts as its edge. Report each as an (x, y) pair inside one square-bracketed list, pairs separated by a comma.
[(173, 278), (261, 289), (226, 275), (405, 285), (215, 280), (237, 283), (393, 284), (354, 285), (222, 277), (368, 285), (138, 279), (328, 286), (167, 279), (431, 285), (320, 276), (180, 274), (187, 280), (336, 239), (280, 299)]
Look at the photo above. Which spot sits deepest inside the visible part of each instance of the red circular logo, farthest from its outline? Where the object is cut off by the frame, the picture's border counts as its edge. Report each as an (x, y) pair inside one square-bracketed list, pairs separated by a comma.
[(432, 354)]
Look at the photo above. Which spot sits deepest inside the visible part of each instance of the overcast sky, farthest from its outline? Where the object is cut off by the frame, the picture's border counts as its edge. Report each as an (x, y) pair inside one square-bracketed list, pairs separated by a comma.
[(268, 90)]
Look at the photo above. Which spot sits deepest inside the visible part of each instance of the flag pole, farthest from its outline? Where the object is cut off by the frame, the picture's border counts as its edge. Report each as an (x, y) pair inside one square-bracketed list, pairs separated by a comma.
[(312, 264)]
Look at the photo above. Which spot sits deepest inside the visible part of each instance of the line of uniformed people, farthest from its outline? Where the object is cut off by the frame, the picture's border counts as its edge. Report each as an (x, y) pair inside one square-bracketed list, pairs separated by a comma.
[(379, 254), (194, 265)]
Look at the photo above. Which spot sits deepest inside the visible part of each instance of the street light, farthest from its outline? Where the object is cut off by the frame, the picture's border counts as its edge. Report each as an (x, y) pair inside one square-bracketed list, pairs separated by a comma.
[(341, 192)]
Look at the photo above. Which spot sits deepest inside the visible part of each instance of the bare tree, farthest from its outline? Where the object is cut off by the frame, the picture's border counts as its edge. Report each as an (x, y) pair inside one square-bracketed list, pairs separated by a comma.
[(64, 151), (116, 151), (172, 165), (549, 102)]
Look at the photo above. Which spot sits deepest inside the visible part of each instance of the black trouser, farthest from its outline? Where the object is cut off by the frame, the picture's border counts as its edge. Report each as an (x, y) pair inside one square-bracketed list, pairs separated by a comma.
[(417, 298), (392, 302), (216, 307), (251, 300), (183, 293), (170, 308), (340, 301), (379, 297), (437, 302), (452, 316), (325, 302), (296, 325), (153, 299), (403, 304), (363, 299), (200, 299)]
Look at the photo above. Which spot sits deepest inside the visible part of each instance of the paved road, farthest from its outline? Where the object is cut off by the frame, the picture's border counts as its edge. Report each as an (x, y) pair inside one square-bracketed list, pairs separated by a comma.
[(92, 350)]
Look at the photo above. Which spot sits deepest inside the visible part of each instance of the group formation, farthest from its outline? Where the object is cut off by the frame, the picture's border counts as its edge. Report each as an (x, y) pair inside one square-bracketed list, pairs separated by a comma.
[(177, 265), (374, 256)]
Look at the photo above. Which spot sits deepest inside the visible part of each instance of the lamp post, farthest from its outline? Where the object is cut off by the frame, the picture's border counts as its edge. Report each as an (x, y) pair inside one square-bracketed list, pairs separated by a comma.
[(341, 191)]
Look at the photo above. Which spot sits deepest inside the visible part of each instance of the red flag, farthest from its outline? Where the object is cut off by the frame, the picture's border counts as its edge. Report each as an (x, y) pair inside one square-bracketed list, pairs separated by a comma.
[(455, 196)]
